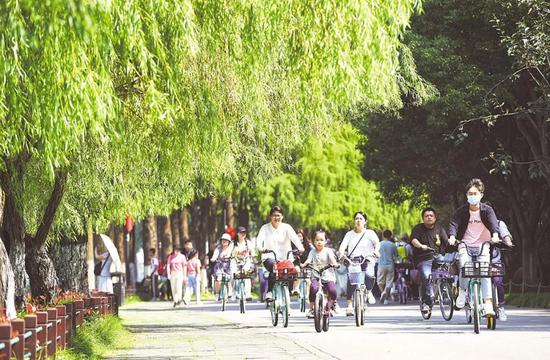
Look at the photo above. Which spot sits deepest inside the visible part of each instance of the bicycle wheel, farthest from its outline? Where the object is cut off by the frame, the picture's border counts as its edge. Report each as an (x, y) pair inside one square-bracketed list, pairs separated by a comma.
[(364, 305), (426, 315), (302, 296), (274, 307), (223, 294), (318, 312), (326, 319), (242, 296), (446, 303), (468, 313), (476, 310), (495, 306), (358, 306), (285, 305)]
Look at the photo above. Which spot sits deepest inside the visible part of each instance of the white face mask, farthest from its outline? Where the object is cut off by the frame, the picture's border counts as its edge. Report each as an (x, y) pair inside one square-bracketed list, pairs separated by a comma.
[(474, 199)]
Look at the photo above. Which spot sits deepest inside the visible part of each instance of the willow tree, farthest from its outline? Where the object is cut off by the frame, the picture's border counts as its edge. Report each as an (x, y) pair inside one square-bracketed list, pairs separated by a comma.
[(326, 187), (139, 106)]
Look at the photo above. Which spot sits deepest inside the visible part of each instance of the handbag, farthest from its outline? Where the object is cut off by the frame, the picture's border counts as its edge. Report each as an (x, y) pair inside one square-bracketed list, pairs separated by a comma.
[(98, 267)]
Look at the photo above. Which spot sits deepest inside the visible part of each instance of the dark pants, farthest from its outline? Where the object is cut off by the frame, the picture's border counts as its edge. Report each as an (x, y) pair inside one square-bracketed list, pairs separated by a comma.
[(330, 288), (268, 264), (263, 283), (154, 286)]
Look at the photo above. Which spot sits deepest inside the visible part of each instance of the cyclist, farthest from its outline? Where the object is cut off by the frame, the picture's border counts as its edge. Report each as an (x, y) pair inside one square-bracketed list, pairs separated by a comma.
[(220, 258), (276, 236), (361, 243), (320, 257), (474, 223), (496, 256), (241, 250), (426, 236)]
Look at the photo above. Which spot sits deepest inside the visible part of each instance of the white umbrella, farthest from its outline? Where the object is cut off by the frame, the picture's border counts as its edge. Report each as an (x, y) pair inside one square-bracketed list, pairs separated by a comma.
[(111, 248)]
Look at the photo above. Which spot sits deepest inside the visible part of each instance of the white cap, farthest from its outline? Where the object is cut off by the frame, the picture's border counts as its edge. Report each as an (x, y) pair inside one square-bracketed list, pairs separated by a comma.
[(226, 236)]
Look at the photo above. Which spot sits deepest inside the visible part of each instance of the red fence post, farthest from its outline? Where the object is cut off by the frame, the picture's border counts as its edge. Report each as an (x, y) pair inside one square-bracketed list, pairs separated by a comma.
[(62, 326), (31, 323), (52, 331), (69, 325), (18, 327), (5, 337), (78, 314), (42, 334)]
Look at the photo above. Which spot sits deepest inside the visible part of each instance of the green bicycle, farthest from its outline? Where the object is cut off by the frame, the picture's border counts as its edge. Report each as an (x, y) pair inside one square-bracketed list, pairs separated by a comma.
[(241, 275), (280, 303)]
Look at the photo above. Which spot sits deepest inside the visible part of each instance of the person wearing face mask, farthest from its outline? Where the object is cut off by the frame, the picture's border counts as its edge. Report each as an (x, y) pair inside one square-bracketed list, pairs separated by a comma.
[(357, 244), (474, 223)]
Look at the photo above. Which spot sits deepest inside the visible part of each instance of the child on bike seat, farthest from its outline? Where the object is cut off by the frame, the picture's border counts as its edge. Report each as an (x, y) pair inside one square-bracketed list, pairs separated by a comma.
[(321, 257)]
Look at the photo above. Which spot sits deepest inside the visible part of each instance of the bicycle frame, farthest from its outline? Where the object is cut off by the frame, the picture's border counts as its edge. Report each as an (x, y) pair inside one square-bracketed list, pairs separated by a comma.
[(281, 295), (321, 305), (360, 294), (240, 276)]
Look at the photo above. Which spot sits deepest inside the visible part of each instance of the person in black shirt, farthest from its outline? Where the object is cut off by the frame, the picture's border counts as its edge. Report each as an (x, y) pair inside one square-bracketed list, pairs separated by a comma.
[(428, 239)]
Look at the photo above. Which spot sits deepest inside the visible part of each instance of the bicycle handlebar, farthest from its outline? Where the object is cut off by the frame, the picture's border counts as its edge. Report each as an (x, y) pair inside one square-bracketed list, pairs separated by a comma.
[(345, 257), (275, 255)]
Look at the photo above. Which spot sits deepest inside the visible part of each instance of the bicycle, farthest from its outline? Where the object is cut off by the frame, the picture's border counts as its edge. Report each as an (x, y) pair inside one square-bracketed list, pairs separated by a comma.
[(321, 308), (403, 290), (442, 283), (284, 275), (356, 277), (224, 278), (240, 276), (303, 276), (476, 270)]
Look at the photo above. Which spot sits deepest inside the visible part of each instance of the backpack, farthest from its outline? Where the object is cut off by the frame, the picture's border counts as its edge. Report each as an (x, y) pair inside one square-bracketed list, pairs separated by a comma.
[(402, 252)]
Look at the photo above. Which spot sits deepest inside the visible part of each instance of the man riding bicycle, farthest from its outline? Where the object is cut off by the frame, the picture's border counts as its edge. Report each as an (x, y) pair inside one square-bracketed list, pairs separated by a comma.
[(276, 236), (428, 241)]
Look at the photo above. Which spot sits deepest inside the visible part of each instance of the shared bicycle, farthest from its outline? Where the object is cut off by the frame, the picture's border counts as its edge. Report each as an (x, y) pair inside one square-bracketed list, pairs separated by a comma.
[(321, 307), (356, 277), (244, 271), (285, 274)]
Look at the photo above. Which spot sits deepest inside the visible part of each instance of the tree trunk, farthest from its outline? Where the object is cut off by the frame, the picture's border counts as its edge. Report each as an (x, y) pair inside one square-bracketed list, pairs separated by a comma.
[(175, 229), (184, 225), (39, 266), (120, 243), (7, 282), (165, 234), (13, 226), (229, 212), (242, 211), (71, 265), (149, 237), (41, 272)]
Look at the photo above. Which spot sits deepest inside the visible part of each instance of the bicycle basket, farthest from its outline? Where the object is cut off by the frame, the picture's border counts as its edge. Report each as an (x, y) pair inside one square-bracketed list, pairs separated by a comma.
[(286, 271), (244, 274), (355, 275), (476, 269), (497, 269)]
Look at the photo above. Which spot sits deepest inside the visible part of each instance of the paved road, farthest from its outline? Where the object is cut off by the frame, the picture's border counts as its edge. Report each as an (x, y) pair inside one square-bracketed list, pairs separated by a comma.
[(391, 332)]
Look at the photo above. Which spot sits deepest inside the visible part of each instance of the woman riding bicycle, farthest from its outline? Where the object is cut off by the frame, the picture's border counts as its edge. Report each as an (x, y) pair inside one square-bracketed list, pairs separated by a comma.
[(361, 243), (321, 257), (474, 223), (242, 254), (221, 258), (275, 236)]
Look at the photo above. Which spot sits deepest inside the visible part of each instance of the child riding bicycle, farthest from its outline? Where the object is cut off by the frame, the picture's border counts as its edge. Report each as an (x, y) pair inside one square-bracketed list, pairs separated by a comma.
[(320, 257)]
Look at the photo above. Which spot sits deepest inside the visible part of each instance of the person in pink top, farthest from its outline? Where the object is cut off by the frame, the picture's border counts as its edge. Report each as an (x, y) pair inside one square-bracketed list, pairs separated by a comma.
[(474, 223), (177, 271), (193, 277)]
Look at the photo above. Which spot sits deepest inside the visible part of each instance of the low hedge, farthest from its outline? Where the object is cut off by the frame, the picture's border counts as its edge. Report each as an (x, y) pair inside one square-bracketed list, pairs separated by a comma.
[(529, 299)]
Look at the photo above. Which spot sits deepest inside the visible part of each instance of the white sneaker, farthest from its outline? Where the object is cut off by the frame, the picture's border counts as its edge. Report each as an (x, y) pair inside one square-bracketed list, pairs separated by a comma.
[(268, 296), (502, 314), (310, 314), (370, 298), (385, 302), (349, 311), (461, 299), (336, 308)]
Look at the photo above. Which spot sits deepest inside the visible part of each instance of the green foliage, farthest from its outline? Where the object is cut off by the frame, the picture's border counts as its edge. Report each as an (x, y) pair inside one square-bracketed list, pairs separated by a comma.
[(96, 338), (326, 187), (532, 300)]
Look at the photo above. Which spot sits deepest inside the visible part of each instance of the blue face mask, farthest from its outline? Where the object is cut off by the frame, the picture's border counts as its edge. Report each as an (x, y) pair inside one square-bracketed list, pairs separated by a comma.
[(474, 199)]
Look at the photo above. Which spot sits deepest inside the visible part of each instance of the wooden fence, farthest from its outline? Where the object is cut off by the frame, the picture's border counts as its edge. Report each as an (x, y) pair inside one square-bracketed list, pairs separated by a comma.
[(41, 335)]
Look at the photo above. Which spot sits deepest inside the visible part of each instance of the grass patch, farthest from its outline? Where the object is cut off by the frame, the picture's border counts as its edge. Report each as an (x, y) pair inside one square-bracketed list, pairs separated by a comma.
[(96, 338), (132, 299), (529, 299)]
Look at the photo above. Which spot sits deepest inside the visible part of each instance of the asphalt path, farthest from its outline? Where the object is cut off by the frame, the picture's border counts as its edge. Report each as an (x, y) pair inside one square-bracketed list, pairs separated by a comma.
[(391, 332)]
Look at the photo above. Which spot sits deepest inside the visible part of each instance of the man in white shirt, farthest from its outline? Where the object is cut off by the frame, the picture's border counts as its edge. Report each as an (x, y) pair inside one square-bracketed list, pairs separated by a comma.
[(276, 236)]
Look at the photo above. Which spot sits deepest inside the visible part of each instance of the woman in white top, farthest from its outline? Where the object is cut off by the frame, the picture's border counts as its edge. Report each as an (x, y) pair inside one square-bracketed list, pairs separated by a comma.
[(358, 244), (104, 281), (276, 236), (242, 255)]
